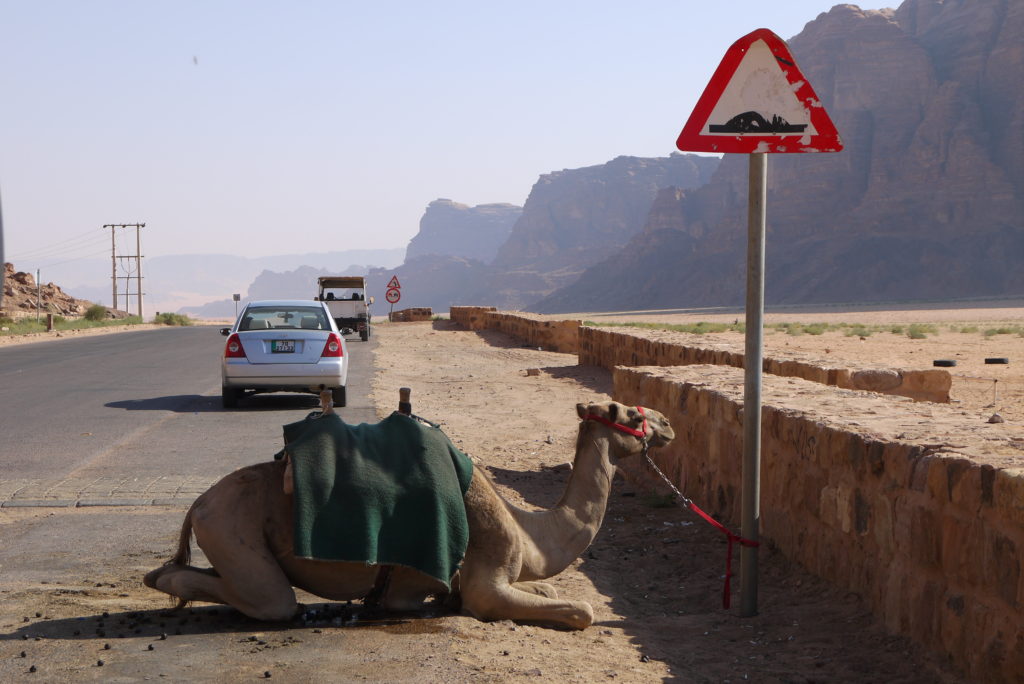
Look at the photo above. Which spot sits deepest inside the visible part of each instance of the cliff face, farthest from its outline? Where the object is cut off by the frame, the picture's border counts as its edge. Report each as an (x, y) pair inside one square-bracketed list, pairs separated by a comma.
[(452, 229), (577, 217), (924, 202), (572, 219)]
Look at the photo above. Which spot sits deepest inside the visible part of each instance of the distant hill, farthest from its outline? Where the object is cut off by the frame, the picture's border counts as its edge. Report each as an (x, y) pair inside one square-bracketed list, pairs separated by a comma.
[(571, 219), (174, 282), (300, 283), (925, 202), (452, 229)]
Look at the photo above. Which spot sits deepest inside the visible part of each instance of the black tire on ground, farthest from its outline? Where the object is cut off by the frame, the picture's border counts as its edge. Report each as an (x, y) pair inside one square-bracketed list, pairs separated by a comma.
[(338, 396), (229, 396), (997, 359), (365, 334), (944, 363)]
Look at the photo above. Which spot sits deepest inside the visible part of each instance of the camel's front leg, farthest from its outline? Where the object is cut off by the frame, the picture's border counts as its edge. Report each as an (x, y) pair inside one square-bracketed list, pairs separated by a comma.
[(488, 597), (538, 588)]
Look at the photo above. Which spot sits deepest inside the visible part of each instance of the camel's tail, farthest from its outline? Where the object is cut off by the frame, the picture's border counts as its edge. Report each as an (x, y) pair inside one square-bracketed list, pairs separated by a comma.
[(183, 556)]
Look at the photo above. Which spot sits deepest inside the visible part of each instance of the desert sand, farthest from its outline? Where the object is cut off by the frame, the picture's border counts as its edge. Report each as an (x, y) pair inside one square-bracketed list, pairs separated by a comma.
[(655, 573)]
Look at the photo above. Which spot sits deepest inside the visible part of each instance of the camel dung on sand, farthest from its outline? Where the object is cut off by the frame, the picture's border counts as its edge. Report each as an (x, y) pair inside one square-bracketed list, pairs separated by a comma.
[(244, 525)]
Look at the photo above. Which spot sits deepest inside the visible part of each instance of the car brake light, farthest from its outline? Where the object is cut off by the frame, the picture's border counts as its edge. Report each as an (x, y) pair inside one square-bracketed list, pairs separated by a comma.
[(333, 346), (233, 349)]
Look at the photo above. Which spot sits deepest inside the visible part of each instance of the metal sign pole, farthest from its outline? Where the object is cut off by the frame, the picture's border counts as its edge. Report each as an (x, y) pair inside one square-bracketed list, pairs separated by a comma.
[(750, 512)]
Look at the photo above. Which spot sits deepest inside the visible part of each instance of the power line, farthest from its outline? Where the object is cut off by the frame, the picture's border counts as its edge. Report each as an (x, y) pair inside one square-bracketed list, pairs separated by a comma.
[(62, 247), (68, 261)]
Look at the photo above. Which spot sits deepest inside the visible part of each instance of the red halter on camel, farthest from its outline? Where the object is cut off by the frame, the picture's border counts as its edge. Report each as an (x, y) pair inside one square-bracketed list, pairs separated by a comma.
[(641, 433)]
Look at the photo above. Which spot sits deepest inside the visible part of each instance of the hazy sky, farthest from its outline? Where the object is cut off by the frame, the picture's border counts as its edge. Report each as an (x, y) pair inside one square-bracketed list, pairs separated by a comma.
[(259, 128)]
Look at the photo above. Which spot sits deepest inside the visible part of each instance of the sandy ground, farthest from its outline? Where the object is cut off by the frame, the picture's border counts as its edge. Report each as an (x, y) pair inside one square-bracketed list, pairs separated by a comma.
[(977, 386), (654, 574)]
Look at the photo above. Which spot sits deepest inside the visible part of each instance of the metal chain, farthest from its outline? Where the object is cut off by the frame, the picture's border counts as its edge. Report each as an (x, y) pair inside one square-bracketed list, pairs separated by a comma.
[(675, 490)]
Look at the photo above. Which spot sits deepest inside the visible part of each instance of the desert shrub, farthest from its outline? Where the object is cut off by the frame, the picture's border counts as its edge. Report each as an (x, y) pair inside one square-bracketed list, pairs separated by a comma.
[(96, 312), (697, 328), (172, 319), (919, 331), (968, 329), (1004, 330), (858, 331)]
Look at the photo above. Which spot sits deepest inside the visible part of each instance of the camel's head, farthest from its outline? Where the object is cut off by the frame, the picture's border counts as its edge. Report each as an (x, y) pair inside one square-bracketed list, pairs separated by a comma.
[(629, 424)]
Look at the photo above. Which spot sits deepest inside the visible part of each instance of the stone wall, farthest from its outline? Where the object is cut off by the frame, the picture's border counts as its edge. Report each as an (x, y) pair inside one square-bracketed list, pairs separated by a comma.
[(415, 314), (534, 331), (470, 317), (928, 533), (610, 347)]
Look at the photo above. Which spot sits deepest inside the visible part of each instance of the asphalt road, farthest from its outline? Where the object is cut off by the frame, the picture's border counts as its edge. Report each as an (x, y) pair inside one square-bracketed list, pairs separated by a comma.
[(136, 407), (104, 443)]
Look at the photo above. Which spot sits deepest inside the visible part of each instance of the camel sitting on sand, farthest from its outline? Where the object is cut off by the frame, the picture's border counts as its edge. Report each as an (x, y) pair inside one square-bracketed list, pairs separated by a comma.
[(244, 525)]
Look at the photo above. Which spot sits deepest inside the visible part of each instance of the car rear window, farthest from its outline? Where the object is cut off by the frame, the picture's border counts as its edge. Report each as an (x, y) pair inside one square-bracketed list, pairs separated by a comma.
[(284, 318)]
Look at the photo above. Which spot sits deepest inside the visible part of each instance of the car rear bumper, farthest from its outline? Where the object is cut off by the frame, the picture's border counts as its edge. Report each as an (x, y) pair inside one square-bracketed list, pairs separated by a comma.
[(304, 377)]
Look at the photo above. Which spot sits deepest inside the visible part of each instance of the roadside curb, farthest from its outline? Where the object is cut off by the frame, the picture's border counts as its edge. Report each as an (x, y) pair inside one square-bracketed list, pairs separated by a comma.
[(93, 503)]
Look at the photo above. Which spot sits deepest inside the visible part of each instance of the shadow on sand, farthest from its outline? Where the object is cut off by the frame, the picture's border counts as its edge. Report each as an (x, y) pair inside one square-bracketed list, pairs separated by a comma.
[(164, 624)]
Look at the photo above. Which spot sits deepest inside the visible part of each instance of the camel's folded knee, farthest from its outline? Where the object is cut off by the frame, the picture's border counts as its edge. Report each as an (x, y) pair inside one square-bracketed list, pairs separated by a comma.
[(151, 578)]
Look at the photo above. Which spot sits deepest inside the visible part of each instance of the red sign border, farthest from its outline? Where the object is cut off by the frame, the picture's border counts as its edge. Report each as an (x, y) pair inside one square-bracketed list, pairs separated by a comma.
[(691, 139), (398, 295), (393, 283)]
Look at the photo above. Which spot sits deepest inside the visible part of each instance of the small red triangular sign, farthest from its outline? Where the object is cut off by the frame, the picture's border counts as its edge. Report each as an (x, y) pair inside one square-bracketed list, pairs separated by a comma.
[(759, 101), (394, 283)]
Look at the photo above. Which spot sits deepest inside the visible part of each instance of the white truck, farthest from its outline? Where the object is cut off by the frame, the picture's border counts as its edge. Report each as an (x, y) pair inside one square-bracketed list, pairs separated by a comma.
[(346, 299)]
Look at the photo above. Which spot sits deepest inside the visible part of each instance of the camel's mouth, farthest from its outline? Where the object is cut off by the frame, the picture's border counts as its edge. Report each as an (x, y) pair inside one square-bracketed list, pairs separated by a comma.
[(663, 437)]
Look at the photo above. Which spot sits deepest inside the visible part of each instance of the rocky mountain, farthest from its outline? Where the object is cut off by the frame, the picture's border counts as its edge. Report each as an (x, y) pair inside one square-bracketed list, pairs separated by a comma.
[(23, 295), (452, 229), (925, 202), (575, 218), (571, 219)]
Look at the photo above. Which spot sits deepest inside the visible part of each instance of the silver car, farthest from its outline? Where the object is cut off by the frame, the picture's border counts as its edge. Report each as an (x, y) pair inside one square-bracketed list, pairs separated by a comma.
[(289, 345)]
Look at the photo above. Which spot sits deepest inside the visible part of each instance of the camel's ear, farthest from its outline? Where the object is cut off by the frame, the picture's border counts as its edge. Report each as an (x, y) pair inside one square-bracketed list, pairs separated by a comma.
[(581, 410)]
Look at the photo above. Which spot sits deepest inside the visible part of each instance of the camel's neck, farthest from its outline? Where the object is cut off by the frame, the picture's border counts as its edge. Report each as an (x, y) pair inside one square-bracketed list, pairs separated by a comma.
[(557, 537)]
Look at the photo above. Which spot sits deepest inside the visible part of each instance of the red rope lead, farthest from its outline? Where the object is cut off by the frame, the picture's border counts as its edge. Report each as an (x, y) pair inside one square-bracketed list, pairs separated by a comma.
[(732, 537)]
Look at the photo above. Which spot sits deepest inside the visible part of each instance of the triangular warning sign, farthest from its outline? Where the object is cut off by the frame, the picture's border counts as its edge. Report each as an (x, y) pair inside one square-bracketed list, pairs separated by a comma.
[(759, 101), (394, 283)]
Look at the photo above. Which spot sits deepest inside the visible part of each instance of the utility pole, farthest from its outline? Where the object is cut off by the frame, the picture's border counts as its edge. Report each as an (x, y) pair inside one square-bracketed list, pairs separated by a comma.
[(114, 257)]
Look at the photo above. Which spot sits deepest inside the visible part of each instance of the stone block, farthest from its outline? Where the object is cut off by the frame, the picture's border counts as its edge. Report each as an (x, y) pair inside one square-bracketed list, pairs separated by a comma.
[(1008, 495), (925, 538), (1001, 566)]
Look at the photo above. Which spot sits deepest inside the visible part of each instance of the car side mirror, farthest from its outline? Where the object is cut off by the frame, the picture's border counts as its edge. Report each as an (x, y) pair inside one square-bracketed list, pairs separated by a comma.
[(225, 331), (371, 299)]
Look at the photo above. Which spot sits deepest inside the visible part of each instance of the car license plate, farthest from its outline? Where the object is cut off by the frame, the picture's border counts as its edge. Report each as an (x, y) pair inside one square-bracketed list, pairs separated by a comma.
[(282, 346)]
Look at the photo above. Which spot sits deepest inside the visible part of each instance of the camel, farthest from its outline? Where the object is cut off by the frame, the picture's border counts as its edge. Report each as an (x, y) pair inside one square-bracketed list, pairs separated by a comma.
[(243, 524)]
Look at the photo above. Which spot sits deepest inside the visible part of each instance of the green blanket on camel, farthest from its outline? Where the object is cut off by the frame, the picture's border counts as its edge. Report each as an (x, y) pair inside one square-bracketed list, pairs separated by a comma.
[(390, 493)]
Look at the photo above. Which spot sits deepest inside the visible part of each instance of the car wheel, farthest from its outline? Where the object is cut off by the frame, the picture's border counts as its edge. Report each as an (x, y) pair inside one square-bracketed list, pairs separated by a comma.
[(229, 396), (365, 335), (338, 396)]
